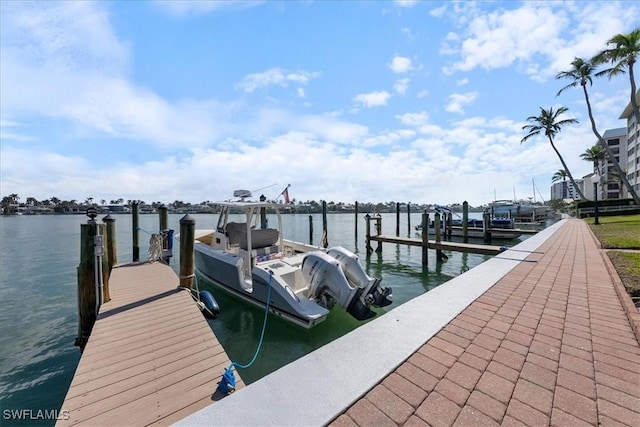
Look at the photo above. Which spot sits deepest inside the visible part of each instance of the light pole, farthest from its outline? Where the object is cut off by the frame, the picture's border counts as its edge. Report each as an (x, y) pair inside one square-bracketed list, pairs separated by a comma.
[(595, 178)]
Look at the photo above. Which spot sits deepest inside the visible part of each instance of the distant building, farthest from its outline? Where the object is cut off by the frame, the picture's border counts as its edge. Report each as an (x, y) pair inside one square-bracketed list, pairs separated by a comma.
[(115, 209), (632, 151), (563, 190), (611, 186)]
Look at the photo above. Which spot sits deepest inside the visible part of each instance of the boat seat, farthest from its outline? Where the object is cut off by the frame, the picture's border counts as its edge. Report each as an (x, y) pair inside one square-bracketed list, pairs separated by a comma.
[(260, 238), (235, 231)]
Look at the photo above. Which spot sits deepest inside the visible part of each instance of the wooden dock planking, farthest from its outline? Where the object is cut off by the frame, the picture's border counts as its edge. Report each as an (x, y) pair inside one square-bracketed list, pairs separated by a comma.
[(447, 246), (151, 357)]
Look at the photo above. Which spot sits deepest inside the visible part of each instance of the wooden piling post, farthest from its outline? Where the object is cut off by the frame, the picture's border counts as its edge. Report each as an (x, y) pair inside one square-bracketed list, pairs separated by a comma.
[(163, 220), (311, 229), (465, 222), (106, 270), (111, 255), (87, 280), (397, 219), (110, 222), (408, 218), (448, 224), (486, 227), (135, 228), (325, 236), (438, 237), (425, 238), (378, 225), (367, 236), (356, 222), (187, 242)]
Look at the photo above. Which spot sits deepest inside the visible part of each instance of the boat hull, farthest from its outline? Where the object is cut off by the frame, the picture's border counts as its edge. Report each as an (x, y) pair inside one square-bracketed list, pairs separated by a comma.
[(224, 270)]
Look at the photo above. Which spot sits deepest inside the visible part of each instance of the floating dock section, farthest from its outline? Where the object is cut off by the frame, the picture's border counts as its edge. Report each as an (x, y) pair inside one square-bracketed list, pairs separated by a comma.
[(151, 358)]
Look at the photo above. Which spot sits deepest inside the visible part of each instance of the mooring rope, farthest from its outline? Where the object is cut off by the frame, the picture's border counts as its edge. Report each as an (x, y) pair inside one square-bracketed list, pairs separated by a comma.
[(155, 247), (228, 382)]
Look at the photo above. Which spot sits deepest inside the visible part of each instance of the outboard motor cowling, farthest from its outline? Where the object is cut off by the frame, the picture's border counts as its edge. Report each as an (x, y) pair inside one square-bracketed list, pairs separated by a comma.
[(372, 292), (338, 276), (323, 273)]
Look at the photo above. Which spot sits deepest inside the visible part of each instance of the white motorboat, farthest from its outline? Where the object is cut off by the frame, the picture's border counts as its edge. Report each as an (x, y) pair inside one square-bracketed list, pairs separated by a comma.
[(248, 258)]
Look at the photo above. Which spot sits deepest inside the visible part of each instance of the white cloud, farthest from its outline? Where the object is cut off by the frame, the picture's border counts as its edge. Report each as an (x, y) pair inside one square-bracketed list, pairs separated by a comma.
[(438, 11), (400, 64), (458, 100), (539, 38), (406, 3), (401, 86), (275, 77), (182, 8), (413, 119), (462, 82), (372, 99)]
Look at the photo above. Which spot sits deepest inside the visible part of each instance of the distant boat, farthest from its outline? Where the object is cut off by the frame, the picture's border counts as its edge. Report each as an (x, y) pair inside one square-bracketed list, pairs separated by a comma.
[(501, 228), (520, 210)]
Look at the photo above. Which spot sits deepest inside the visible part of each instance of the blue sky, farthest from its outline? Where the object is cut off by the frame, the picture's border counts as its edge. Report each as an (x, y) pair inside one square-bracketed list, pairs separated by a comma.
[(344, 100)]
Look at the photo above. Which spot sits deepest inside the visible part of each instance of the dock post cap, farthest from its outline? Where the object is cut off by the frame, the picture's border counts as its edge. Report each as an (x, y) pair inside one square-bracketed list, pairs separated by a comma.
[(108, 218), (187, 219), (92, 213)]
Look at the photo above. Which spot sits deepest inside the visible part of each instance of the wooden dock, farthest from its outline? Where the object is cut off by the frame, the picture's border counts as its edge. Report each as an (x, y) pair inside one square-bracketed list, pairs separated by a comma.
[(446, 246), (151, 357)]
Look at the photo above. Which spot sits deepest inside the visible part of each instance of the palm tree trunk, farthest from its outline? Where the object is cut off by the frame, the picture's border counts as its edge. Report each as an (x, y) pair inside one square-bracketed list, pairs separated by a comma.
[(567, 169), (610, 155), (634, 104)]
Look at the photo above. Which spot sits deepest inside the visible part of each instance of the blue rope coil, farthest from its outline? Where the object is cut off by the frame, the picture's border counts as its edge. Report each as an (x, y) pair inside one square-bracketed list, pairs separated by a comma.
[(228, 382)]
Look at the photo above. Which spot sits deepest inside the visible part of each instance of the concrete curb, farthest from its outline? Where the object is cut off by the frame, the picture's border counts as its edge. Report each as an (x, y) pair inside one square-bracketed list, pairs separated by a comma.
[(627, 303)]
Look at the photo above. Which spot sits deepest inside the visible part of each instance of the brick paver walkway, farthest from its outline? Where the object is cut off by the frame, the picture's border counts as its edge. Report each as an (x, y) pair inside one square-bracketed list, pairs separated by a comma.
[(549, 344)]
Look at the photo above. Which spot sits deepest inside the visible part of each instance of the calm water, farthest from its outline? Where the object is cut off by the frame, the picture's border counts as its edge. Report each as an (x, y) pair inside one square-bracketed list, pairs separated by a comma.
[(38, 300)]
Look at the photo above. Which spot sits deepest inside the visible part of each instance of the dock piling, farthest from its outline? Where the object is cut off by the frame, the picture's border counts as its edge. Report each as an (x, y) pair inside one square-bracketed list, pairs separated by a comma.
[(486, 227), (397, 219), (311, 229), (465, 222), (135, 228), (110, 257), (90, 275), (167, 235), (187, 242), (325, 236), (425, 238), (356, 222), (438, 236), (367, 235), (378, 227)]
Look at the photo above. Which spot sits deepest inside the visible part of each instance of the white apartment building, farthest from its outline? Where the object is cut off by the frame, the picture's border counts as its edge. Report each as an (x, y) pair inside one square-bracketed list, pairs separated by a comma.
[(610, 186), (633, 145)]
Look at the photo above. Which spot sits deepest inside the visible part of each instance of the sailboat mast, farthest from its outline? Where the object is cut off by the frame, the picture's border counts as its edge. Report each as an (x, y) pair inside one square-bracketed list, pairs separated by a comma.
[(533, 182)]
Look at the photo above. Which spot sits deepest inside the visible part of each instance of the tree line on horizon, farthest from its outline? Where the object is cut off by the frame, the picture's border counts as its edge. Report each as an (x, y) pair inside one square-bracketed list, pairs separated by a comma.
[(55, 205)]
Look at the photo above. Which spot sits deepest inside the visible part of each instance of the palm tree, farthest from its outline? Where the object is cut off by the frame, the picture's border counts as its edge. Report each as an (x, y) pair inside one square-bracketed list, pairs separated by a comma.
[(623, 55), (594, 155), (548, 121), (562, 175), (581, 73)]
